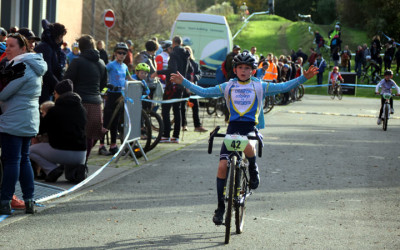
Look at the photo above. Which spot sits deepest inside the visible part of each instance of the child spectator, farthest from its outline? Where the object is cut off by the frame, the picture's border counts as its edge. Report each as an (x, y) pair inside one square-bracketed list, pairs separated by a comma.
[(386, 85), (74, 53), (261, 71), (345, 56)]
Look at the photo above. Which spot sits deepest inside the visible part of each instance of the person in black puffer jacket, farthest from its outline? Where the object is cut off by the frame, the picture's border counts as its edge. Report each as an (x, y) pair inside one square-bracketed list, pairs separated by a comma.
[(50, 48), (89, 76), (65, 126)]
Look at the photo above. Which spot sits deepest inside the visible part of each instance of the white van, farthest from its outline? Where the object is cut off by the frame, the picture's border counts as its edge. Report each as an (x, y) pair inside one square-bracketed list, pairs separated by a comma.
[(209, 37)]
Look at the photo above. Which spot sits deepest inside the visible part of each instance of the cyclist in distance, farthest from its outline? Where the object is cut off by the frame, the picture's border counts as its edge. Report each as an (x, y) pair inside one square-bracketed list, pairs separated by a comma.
[(335, 75), (386, 85), (244, 97)]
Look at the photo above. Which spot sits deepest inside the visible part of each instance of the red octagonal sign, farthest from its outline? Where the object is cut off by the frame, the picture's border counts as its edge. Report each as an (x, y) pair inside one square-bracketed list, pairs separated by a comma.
[(109, 18)]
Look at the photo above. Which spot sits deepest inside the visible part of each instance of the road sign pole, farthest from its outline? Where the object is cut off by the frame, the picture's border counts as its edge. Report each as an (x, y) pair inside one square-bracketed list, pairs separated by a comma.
[(109, 22), (107, 39)]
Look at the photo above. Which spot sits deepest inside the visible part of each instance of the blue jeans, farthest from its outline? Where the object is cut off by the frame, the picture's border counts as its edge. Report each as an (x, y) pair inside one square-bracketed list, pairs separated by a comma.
[(16, 165)]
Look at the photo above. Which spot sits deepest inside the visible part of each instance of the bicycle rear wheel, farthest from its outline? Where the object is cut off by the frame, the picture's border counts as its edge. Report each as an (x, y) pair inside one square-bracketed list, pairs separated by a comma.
[(269, 102), (242, 190), (300, 92), (220, 107), (211, 106), (145, 134), (385, 120), (157, 128), (339, 93), (228, 215)]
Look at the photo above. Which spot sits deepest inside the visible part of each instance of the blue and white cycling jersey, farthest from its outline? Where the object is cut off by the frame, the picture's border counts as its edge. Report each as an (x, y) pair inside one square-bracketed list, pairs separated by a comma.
[(244, 99), (117, 73)]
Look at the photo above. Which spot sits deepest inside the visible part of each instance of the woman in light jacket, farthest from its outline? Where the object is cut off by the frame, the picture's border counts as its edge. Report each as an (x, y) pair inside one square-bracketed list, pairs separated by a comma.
[(19, 102)]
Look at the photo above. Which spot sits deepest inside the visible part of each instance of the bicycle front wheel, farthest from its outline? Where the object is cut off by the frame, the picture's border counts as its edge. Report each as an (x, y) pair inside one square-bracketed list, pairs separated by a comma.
[(242, 190), (228, 216), (332, 92), (385, 120), (339, 93)]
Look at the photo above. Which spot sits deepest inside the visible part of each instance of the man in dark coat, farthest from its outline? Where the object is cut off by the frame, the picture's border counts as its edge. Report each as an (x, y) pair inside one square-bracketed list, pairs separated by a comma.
[(178, 62)]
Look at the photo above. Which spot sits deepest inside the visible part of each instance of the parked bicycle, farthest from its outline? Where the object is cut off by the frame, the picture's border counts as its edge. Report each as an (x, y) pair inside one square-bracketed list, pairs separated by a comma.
[(237, 177), (269, 103), (216, 106)]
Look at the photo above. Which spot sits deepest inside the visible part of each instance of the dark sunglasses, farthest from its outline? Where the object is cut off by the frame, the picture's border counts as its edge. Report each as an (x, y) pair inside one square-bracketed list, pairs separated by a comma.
[(121, 53)]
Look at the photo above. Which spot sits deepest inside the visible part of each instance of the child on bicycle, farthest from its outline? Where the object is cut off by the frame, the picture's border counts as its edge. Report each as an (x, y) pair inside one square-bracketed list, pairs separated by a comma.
[(335, 75), (386, 85), (244, 97), (117, 74)]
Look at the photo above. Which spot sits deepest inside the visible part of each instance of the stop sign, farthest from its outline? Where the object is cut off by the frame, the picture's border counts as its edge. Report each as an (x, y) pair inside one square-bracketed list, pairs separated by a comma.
[(109, 18)]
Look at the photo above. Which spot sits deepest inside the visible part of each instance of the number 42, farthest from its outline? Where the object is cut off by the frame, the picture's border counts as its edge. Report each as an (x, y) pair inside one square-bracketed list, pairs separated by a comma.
[(235, 144)]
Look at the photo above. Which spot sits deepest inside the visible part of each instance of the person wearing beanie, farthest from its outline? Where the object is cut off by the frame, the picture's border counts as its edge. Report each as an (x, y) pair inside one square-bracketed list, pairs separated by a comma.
[(50, 48), (65, 126)]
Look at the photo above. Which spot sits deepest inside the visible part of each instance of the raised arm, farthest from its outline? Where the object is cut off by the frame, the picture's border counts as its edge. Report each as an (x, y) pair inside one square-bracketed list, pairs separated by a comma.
[(215, 91)]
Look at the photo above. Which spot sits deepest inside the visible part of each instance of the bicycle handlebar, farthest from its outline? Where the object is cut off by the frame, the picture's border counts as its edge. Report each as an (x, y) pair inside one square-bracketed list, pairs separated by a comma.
[(215, 133)]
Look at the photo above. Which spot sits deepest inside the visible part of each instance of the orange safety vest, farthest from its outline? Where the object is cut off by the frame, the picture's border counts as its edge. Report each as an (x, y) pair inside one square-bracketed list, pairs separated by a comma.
[(271, 73)]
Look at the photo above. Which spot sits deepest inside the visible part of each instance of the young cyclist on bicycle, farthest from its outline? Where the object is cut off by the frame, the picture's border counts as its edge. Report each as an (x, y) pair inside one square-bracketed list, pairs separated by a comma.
[(244, 97), (386, 85), (335, 75)]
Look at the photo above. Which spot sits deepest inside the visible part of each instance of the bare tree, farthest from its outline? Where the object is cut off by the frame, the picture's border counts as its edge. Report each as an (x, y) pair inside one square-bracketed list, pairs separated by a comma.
[(137, 20)]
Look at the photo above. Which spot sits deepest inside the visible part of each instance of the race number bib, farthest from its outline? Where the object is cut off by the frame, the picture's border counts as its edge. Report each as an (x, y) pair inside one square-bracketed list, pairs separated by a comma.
[(236, 142)]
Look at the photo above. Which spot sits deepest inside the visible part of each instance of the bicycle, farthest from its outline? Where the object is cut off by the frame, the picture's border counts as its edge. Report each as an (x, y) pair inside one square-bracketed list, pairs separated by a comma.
[(237, 177), (386, 110), (300, 92), (216, 106), (337, 91), (269, 103)]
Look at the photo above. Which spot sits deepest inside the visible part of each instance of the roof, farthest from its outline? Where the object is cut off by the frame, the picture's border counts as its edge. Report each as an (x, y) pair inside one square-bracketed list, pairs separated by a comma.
[(197, 17)]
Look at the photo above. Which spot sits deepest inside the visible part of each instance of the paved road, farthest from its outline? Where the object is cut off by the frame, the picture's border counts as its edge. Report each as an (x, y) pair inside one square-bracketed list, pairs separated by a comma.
[(328, 181)]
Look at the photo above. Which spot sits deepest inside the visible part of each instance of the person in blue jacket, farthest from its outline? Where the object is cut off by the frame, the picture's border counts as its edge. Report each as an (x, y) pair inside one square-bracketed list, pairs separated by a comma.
[(244, 96), (19, 101)]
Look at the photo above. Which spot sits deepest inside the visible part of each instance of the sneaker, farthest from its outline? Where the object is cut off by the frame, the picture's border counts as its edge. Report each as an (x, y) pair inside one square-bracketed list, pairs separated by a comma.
[(30, 207), (200, 129), (113, 150), (218, 217), (379, 121), (184, 128), (16, 203), (103, 151), (164, 140), (392, 111), (254, 177), (174, 140)]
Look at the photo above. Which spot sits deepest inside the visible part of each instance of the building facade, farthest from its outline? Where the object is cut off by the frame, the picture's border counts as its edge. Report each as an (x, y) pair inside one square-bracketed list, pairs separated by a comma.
[(29, 13)]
